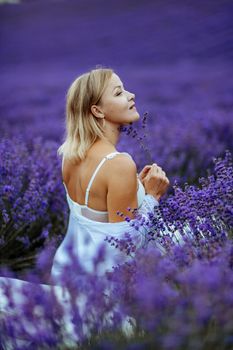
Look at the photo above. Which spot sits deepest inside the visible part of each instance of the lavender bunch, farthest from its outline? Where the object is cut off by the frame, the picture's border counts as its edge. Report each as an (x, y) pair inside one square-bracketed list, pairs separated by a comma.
[(32, 202), (207, 210)]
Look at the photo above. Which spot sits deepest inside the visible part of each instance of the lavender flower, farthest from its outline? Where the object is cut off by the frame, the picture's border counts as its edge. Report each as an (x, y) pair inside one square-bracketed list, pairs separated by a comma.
[(32, 199)]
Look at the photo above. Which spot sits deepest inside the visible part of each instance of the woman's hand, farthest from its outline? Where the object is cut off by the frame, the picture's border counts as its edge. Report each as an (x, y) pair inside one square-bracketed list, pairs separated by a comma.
[(143, 173), (154, 180)]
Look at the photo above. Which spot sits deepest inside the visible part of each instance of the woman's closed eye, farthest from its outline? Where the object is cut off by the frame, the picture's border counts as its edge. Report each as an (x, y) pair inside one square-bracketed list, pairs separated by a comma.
[(119, 93)]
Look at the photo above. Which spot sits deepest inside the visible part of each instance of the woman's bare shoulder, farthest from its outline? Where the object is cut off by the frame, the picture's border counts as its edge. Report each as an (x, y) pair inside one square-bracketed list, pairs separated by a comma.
[(121, 165)]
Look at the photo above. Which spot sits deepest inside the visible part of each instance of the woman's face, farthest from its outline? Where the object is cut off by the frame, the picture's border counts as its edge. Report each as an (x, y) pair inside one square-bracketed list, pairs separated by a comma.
[(117, 104)]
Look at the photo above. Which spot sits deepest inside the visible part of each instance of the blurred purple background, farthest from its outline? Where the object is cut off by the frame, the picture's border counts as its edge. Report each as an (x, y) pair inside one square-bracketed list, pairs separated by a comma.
[(176, 56)]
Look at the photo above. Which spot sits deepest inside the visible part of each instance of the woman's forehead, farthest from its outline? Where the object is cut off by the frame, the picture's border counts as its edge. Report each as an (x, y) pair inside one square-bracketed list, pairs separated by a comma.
[(115, 81)]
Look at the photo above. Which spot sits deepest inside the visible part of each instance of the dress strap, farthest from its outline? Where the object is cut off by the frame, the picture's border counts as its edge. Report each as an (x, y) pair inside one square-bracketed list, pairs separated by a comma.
[(108, 156)]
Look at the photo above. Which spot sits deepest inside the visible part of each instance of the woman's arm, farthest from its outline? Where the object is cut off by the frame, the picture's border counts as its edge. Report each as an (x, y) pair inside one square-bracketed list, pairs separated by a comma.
[(122, 188), (122, 193)]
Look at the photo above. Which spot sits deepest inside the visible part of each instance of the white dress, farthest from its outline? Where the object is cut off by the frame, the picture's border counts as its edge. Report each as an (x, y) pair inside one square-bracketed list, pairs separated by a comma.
[(87, 229)]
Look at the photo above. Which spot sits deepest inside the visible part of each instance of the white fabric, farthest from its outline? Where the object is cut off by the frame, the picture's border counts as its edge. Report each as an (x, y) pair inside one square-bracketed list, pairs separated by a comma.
[(85, 237)]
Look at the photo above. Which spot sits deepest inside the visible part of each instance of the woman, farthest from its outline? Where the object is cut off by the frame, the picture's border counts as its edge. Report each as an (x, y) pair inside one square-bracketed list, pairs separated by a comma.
[(100, 182)]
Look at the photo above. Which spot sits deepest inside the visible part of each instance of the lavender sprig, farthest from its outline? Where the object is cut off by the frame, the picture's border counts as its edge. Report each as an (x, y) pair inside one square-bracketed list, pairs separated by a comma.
[(135, 133)]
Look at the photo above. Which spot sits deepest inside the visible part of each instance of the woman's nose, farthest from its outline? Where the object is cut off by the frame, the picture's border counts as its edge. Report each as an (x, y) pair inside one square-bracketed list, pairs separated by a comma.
[(132, 96)]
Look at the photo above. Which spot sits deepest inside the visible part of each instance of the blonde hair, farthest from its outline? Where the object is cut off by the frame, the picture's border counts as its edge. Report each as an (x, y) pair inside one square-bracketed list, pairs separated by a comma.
[(82, 128)]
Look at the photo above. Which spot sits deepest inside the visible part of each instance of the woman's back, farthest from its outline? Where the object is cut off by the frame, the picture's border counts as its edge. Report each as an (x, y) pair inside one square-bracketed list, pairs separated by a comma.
[(77, 177), (90, 184)]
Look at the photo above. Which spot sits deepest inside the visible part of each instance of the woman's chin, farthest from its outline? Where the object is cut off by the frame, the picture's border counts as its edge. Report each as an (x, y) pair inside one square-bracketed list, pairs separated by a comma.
[(137, 116)]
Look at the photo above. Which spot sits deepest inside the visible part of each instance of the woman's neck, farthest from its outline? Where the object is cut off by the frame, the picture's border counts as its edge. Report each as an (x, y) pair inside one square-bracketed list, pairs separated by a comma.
[(112, 133)]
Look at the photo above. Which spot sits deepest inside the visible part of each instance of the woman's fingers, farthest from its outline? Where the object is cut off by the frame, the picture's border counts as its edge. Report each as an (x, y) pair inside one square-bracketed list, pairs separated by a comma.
[(146, 168), (150, 171), (156, 182), (156, 171), (144, 171)]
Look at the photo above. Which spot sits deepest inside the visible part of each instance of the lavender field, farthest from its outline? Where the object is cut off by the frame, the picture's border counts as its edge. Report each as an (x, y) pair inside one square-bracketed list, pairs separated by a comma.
[(177, 57)]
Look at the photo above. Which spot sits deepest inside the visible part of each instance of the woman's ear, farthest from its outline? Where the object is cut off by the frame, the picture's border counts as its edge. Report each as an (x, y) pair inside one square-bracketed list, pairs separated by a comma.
[(97, 112)]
